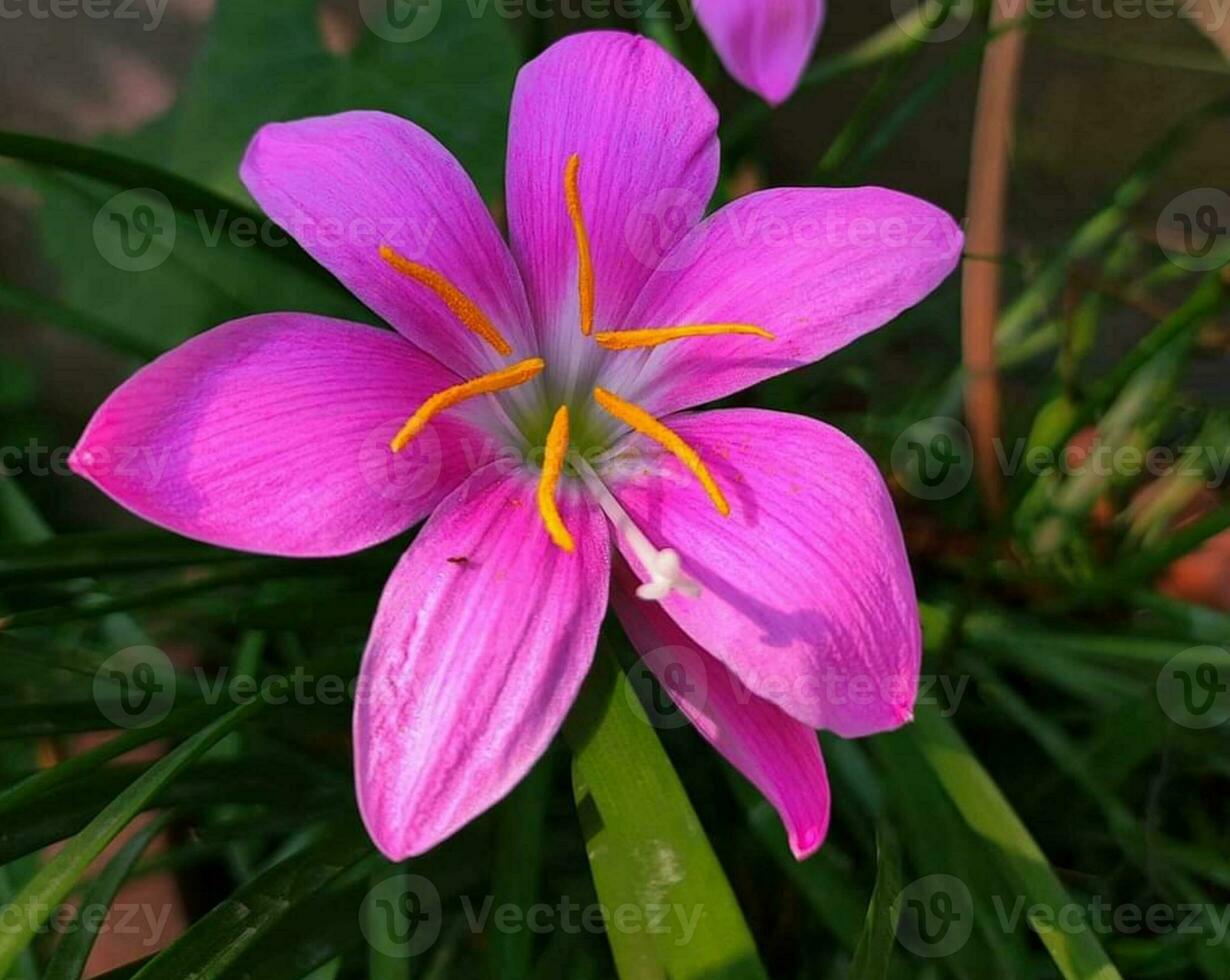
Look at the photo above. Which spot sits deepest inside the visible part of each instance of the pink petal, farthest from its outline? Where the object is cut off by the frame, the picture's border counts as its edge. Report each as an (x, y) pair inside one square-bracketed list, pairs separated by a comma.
[(779, 755), (482, 639), (344, 185), (807, 594), (818, 268), (646, 135), (765, 44), (271, 434)]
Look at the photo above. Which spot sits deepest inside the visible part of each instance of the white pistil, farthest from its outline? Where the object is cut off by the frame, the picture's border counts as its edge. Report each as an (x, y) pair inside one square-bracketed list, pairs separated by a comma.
[(663, 565)]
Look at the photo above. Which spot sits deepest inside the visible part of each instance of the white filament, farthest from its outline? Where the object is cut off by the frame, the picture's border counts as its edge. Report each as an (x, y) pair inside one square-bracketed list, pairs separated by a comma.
[(663, 565)]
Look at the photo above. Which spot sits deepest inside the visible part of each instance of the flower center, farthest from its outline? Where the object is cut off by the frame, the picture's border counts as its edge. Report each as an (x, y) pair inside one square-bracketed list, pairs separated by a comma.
[(663, 565)]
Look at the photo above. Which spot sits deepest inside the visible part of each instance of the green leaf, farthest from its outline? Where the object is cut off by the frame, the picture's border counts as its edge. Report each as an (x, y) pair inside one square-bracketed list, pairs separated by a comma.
[(31, 306), (940, 848), (905, 108), (71, 954), (46, 780), (889, 42), (647, 851), (1077, 954), (60, 875), (26, 967), (382, 963), (520, 829), (184, 195), (323, 928), (258, 780), (20, 521), (215, 942), (874, 953), (822, 880), (265, 62), (1100, 229), (75, 556)]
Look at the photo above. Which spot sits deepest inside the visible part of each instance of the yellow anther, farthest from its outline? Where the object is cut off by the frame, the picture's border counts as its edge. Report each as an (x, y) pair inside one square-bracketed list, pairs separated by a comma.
[(585, 262), (637, 418), (458, 303), (509, 377), (653, 336), (552, 467)]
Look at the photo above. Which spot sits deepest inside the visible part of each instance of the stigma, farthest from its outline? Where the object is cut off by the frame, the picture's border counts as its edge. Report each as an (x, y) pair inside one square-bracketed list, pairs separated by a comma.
[(663, 565)]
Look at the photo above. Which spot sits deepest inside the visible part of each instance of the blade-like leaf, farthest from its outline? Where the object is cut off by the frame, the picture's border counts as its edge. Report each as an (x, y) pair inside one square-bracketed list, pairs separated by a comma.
[(1077, 954), (874, 953), (71, 955), (215, 942), (518, 861), (647, 850), (31, 306), (60, 875)]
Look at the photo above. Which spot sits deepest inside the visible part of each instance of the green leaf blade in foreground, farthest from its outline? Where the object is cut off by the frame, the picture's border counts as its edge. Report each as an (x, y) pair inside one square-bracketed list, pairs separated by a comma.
[(647, 851), (56, 880), (874, 954), (215, 943), (1077, 954), (71, 954), (521, 833)]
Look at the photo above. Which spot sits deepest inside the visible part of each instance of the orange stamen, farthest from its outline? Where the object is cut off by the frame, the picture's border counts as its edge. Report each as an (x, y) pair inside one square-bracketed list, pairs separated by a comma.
[(653, 336), (585, 262), (637, 418), (458, 303), (509, 377), (552, 467)]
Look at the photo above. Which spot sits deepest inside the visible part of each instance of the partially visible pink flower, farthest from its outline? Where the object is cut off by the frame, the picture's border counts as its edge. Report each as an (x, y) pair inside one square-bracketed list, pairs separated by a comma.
[(764, 44), (757, 561)]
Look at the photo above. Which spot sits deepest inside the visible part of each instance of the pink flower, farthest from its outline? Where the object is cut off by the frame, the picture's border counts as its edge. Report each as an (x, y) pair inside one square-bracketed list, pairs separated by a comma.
[(757, 561), (764, 44)]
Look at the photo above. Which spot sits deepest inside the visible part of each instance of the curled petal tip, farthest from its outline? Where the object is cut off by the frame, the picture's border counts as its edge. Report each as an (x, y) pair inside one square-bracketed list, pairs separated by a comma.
[(806, 841), (79, 460)]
